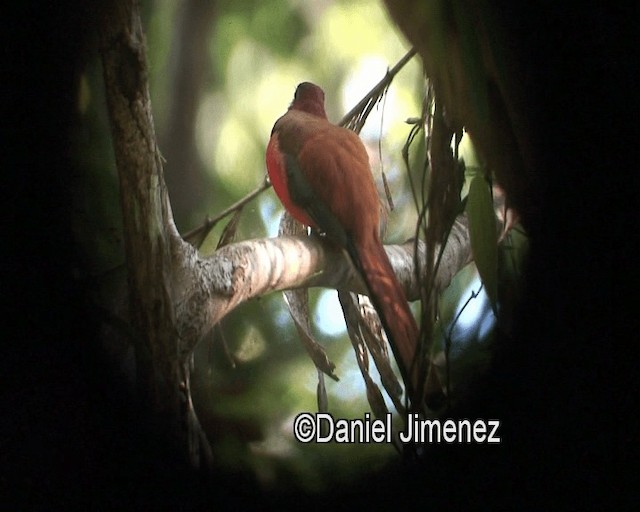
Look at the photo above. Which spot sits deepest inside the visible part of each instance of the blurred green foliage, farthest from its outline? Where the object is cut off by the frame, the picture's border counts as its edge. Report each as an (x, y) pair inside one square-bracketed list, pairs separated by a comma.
[(258, 51)]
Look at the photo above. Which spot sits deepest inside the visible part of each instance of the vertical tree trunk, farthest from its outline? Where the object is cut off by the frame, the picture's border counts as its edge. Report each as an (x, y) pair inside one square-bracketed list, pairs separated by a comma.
[(149, 231)]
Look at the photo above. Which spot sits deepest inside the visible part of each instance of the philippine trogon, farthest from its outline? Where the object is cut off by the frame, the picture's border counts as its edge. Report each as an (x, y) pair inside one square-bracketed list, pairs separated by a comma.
[(321, 174)]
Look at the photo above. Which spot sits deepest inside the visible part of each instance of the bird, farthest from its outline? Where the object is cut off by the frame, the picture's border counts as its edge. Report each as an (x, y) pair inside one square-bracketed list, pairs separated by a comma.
[(321, 174)]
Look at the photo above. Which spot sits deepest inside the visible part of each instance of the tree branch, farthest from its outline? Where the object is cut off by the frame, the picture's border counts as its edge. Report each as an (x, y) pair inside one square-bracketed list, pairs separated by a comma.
[(241, 271)]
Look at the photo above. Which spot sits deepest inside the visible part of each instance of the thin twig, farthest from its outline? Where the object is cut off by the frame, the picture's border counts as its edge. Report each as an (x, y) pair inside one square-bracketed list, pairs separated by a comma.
[(210, 222), (448, 340)]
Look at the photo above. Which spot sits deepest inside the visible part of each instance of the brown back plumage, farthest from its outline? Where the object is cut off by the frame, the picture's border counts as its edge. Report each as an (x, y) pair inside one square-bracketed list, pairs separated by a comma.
[(329, 182)]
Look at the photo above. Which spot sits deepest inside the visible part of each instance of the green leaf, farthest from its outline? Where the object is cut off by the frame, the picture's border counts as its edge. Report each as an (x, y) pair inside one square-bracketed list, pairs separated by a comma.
[(484, 236)]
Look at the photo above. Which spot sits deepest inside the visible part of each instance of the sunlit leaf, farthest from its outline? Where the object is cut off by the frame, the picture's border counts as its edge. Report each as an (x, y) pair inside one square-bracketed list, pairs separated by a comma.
[(483, 234), (467, 151)]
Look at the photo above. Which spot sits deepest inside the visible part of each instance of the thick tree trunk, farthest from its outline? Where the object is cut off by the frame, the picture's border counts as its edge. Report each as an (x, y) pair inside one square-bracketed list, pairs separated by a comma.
[(149, 232)]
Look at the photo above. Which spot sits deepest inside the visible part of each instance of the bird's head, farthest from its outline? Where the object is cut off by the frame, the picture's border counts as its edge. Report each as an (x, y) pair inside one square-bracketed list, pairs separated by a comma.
[(309, 98)]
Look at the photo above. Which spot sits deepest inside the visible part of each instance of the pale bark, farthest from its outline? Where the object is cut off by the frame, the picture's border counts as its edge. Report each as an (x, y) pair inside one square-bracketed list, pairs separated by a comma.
[(211, 287)]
